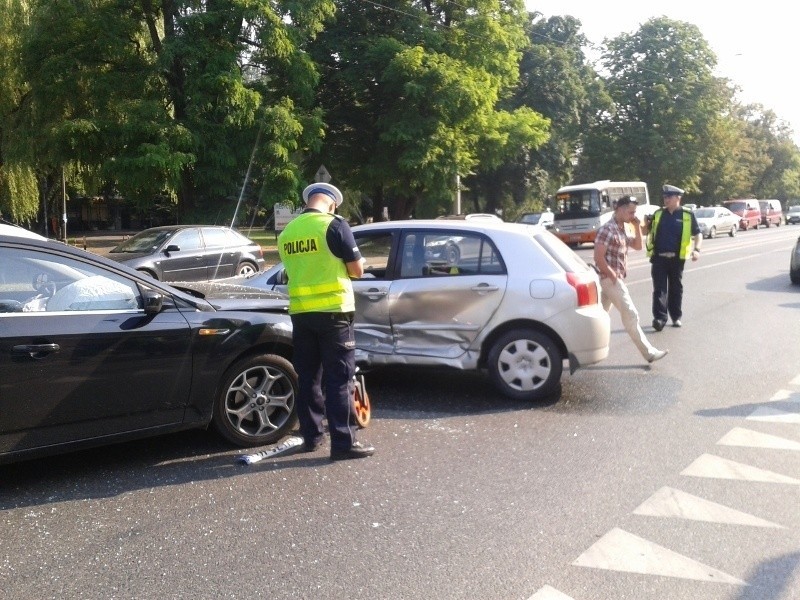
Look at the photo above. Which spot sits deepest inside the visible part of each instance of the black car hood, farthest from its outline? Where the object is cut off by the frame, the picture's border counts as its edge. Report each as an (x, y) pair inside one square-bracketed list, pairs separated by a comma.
[(231, 296)]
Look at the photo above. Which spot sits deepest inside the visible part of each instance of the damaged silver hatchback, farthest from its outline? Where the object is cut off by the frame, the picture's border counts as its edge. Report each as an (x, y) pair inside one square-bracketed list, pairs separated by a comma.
[(474, 294)]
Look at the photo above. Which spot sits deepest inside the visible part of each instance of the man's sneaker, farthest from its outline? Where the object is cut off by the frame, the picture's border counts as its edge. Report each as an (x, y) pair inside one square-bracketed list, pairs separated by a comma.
[(656, 355), (357, 450), (658, 325), (677, 323)]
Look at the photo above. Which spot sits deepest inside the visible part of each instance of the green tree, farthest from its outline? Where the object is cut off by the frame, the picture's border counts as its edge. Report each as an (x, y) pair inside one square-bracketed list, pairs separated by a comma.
[(411, 94), (557, 81), (174, 98), (19, 192), (666, 106)]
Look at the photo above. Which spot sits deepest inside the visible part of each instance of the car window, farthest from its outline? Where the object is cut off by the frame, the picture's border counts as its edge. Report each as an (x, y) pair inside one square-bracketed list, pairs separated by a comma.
[(435, 254), (188, 239), (236, 239), (704, 213), (375, 249), (33, 281), (563, 255), (215, 238), (144, 241)]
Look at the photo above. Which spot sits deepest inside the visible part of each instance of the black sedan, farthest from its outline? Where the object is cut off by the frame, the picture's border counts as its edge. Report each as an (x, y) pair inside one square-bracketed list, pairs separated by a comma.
[(190, 253), (93, 352)]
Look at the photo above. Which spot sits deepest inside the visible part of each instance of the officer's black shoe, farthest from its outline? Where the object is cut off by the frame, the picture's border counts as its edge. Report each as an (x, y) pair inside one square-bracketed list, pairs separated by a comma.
[(658, 325), (312, 446), (357, 450)]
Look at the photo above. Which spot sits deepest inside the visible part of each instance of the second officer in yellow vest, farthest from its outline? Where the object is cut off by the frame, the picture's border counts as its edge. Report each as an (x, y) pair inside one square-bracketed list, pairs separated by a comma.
[(320, 256), (669, 239)]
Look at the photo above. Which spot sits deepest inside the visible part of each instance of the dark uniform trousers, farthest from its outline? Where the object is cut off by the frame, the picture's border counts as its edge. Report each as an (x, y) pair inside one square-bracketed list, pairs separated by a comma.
[(667, 274), (324, 357)]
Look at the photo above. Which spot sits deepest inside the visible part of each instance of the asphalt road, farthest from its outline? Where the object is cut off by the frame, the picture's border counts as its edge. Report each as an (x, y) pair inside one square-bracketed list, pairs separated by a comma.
[(678, 480)]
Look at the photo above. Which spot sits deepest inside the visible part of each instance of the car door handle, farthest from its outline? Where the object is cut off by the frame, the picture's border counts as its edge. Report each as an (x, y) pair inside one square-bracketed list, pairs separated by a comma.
[(485, 287), (375, 294), (36, 350)]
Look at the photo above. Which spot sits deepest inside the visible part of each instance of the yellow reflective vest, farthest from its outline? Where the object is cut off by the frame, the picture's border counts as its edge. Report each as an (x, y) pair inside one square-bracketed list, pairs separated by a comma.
[(318, 280), (686, 233)]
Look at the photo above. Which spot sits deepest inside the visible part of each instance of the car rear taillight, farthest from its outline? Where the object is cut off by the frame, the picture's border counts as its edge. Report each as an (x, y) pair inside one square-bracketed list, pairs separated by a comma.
[(585, 286)]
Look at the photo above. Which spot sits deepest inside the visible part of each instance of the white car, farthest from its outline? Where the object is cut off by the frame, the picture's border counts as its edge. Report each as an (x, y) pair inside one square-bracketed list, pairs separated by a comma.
[(716, 219), (471, 294), (7, 229)]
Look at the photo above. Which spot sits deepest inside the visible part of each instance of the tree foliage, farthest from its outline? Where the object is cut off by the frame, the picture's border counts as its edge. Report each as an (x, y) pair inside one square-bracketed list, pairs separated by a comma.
[(411, 94), (201, 103), (666, 106)]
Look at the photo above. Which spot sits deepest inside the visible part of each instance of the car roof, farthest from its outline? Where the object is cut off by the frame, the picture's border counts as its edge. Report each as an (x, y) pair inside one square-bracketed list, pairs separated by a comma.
[(16, 231), (480, 225)]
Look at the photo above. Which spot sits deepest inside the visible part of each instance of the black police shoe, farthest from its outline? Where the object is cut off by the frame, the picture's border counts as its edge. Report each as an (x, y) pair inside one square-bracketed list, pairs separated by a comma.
[(357, 450), (658, 325)]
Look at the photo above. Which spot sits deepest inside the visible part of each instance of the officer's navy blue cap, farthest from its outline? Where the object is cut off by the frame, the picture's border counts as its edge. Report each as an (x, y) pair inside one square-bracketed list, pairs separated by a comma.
[(323, 188), (671, 190)]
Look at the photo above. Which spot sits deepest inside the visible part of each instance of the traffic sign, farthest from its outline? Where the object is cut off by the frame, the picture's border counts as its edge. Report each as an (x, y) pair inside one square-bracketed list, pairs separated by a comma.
[(322, 175)]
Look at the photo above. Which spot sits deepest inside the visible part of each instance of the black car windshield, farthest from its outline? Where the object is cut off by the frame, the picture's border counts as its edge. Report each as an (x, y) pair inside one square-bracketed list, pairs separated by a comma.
[(145, 241)]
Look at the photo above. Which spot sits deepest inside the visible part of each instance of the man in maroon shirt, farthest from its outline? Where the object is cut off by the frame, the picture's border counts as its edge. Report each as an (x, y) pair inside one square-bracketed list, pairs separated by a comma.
[(611, 258)]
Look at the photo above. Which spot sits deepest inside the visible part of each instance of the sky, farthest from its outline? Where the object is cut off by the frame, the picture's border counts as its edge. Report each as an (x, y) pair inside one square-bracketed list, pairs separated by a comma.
[(756, 43)]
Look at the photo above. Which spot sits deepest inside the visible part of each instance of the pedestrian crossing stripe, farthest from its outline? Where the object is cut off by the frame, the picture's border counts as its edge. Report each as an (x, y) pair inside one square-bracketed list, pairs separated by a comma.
[(774, 415), (715, 467), (669, 502), (619, 550), (785, 395), (550, 593), (739, 436)]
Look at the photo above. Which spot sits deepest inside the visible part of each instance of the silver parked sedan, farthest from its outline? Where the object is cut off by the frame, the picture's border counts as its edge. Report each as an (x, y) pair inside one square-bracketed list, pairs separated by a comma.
[(472, 294), (716, 219)]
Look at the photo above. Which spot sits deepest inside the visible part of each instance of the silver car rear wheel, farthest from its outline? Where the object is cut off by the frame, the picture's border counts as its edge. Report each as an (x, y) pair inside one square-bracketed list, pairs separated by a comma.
[(525, 365)]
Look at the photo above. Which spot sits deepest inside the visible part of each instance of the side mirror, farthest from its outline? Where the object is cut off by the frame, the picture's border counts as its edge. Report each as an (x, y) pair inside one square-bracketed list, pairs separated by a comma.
[(172, 248), (153, 302)]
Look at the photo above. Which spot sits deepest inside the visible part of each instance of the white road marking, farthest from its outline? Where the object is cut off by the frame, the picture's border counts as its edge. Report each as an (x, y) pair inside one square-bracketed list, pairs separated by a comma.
[(787, 395), (739, 436), (774, 415), (549, 593), (669, 502), (795, 381), (708, 465), (619, 550)]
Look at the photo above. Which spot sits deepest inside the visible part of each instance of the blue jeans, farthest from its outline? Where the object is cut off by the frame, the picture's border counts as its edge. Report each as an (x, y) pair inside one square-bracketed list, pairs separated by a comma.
[(324, 357)]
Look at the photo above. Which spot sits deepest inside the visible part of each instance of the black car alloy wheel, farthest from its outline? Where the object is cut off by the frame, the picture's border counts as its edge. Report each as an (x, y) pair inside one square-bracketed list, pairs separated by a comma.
[(256, 405)]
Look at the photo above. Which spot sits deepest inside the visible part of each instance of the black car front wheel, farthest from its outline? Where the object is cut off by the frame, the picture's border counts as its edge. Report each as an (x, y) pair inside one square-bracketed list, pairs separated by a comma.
[(525, 365), (256, 405)]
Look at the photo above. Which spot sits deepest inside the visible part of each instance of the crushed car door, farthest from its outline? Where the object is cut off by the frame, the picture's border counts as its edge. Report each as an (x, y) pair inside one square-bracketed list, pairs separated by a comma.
[(451, 284)]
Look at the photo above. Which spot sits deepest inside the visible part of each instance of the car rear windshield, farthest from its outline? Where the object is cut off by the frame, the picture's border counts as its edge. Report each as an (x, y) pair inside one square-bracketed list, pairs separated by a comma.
[(561, 253)]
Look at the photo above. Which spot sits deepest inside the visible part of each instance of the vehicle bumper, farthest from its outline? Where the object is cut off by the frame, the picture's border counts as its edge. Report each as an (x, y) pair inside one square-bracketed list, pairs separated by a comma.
[(586, 333)]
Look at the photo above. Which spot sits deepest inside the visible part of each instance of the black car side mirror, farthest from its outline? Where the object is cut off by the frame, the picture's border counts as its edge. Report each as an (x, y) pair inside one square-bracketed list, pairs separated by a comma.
[(172, 248), (153, 302)]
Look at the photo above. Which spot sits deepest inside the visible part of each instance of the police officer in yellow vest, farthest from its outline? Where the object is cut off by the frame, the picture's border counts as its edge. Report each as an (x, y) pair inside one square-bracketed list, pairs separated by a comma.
[(671, 233), (320, 256)]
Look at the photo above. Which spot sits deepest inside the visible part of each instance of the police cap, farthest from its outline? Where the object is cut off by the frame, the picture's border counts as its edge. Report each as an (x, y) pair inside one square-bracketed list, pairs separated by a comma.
[(323, 188), (671, 190)]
